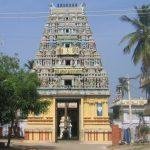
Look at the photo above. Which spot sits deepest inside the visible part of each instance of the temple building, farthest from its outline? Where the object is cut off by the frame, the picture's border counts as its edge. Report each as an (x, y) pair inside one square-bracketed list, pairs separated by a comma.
[(72, 79)]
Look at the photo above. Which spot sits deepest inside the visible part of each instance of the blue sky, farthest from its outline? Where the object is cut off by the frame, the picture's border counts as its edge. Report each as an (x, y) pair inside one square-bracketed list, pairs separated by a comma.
[(22, 36)]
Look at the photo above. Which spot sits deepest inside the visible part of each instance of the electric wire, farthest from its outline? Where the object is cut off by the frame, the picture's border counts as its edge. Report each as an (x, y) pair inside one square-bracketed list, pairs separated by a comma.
[(4, 15), (90, 11), (98, 13)]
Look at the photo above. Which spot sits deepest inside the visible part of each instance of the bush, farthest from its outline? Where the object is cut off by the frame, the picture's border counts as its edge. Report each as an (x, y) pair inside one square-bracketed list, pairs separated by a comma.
[(144, 130)]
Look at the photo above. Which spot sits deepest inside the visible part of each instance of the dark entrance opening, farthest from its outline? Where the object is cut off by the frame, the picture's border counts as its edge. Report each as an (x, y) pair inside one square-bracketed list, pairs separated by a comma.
[(68, 83), (72, 115), (67, 45), (67, 62)]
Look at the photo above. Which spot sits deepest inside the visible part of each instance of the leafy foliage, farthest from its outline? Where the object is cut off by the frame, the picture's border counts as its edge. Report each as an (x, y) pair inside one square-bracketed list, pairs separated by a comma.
[(124, 86), (29, 65), (18, 91), (139, 40), (144, 130), (116, 112)]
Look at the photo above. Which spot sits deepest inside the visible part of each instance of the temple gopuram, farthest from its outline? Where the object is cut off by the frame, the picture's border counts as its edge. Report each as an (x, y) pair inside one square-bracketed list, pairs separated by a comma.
[(72, 79)]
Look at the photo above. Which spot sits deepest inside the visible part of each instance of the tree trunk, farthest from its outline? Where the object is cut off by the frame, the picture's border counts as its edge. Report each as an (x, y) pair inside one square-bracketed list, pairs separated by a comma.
[(10, 133)]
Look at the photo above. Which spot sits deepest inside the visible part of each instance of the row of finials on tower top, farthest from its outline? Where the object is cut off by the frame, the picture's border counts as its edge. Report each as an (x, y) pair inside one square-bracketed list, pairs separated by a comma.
[(68, 5)]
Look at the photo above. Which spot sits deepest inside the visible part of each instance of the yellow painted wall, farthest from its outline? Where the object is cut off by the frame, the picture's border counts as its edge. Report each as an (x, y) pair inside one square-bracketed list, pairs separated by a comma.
[(89, 123), (90, 106), (43, 122), (94, 126)]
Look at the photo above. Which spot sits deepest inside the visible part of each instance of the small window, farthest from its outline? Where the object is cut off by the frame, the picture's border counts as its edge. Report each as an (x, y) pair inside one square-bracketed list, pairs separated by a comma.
[(68, 62), (68, 83), (67, 30), (67, 18), (99, 109), (92, 63), (67, 45)]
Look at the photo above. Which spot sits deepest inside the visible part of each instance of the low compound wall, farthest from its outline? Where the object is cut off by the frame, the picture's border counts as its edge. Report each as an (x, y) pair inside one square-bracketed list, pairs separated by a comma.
[(116, 134)]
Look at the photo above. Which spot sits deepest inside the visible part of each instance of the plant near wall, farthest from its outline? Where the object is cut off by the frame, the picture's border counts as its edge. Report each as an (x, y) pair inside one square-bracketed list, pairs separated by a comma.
[(18, 93), (142, 128)]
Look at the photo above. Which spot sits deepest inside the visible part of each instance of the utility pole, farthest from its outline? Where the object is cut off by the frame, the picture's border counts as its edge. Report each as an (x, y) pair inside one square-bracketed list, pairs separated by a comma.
[(129, 95), (127, 79), (129, 98)]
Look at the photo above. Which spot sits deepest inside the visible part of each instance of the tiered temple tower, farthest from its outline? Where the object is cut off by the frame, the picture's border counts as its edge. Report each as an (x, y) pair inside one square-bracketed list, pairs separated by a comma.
[(73, 79)]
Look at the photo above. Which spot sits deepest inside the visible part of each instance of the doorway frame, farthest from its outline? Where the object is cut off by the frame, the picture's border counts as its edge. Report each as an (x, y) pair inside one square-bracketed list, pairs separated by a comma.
[(68, 99)]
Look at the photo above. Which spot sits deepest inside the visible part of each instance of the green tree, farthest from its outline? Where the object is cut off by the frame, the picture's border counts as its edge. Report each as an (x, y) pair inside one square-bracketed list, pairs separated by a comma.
[(29, 65), (123, 86), (139, 40), (143, 129), (18, 92)]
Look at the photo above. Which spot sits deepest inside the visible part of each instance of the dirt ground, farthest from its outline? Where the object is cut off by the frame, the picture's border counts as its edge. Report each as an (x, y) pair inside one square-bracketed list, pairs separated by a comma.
[(72, 145)]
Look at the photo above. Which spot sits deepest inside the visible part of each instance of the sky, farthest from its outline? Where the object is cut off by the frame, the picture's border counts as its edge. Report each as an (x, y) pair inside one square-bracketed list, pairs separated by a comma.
[(21, 34)]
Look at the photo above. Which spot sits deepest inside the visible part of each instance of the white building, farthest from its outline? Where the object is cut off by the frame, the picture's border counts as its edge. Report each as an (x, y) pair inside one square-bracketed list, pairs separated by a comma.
[(122, 116), (21, 125), (121, 107)]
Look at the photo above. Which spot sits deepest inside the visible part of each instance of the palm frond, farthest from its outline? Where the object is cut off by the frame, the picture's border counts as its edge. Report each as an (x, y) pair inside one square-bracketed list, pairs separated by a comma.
[(29, 64), (135, 22), (144, 14), (127, 37), (137, 54), (139, 41), (132, 40), (146, 53), (124, 85), (145, 65)]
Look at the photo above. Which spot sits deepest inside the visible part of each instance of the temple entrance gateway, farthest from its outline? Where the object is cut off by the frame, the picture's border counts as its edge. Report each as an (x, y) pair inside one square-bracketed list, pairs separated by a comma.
[(67, 121), (72, 79)]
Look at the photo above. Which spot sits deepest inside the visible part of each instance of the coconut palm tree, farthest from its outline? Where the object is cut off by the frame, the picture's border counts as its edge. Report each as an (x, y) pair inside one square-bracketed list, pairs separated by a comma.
[(123, 86), (29, 65), (139, 41)]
